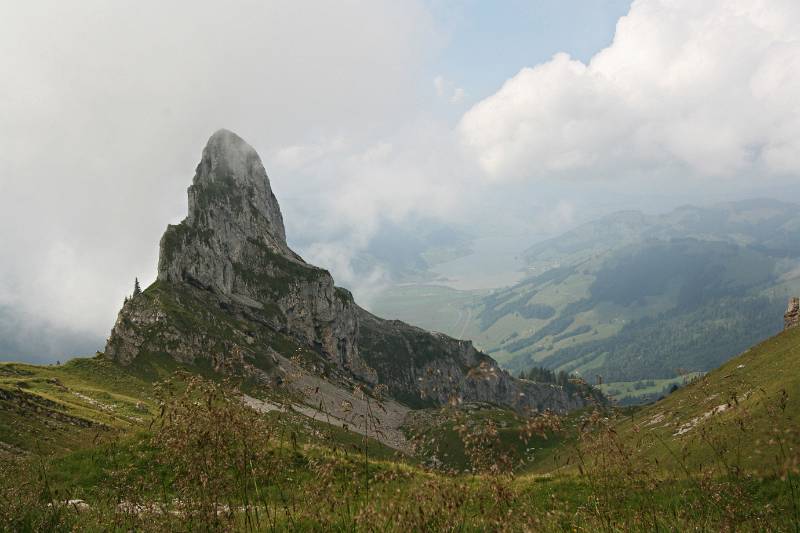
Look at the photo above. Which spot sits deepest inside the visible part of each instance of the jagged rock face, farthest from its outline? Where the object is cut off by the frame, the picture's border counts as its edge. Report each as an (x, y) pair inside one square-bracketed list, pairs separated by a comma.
[(792, 316), (232, 295), (440, 370), (232, 212), (233, 243)]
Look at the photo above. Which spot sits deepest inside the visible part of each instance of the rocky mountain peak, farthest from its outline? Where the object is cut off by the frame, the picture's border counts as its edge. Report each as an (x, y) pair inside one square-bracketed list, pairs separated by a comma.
[(231, 188), (231, 293), (792, 316), (233, 215), (233, 244), (227, 153)]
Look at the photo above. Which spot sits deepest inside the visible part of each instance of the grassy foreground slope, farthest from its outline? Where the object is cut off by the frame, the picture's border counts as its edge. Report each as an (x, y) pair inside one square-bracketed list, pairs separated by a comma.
[(720, 454), (55, 409), (743, 416), (742, 419), (739, 423)]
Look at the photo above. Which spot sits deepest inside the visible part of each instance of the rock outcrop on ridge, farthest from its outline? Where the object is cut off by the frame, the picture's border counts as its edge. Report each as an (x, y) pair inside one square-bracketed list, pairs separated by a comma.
[(792, 316), (232, 295)]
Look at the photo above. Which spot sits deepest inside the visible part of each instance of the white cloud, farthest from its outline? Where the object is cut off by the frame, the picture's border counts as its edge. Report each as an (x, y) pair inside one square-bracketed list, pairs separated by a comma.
[(561, 216), (439, 85), (338, 257), (337, 195), (105, 107), (340, 193), (458, 96), (700, 88), (446, 90)]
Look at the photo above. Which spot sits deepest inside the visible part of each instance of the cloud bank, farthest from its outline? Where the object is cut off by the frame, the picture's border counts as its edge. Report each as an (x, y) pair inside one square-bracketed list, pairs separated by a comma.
[(104, 110), (706, 89)]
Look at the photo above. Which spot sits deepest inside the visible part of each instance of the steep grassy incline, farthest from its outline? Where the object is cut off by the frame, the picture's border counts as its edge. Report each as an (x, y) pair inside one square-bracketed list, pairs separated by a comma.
[(90, 402), (742, 417), (84, 402), (61, 408)]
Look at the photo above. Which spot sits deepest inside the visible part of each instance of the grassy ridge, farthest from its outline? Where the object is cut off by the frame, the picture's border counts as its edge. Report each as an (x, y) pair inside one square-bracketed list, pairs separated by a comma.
[(743, 413), (61, 408)]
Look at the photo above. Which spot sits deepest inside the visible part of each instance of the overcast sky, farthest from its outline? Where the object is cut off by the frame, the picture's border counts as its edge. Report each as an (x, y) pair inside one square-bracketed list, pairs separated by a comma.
[(366, 112)]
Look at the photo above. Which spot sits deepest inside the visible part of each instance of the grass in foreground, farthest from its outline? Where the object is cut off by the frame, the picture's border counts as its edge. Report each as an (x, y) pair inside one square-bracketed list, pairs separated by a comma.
[(208, 463), (721, 454)]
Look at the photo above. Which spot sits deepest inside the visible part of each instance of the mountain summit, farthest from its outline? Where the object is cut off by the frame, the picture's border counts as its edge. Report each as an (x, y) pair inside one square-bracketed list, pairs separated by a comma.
[(232, 294), (230, 202), (233, 245)]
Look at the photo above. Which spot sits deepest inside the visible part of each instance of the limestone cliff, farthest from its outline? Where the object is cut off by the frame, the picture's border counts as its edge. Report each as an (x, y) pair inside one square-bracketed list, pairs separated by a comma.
[(232, 295), (792, 316)]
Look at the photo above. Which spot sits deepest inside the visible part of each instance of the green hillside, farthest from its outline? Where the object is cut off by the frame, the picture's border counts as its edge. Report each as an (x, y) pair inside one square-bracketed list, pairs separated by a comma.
[(631, 298), (56, 409), (742, 417), (741, 420)]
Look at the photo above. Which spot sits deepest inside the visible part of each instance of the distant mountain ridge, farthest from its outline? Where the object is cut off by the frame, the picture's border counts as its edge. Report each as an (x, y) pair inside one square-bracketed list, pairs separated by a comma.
[(631, 296), (770, 225)]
